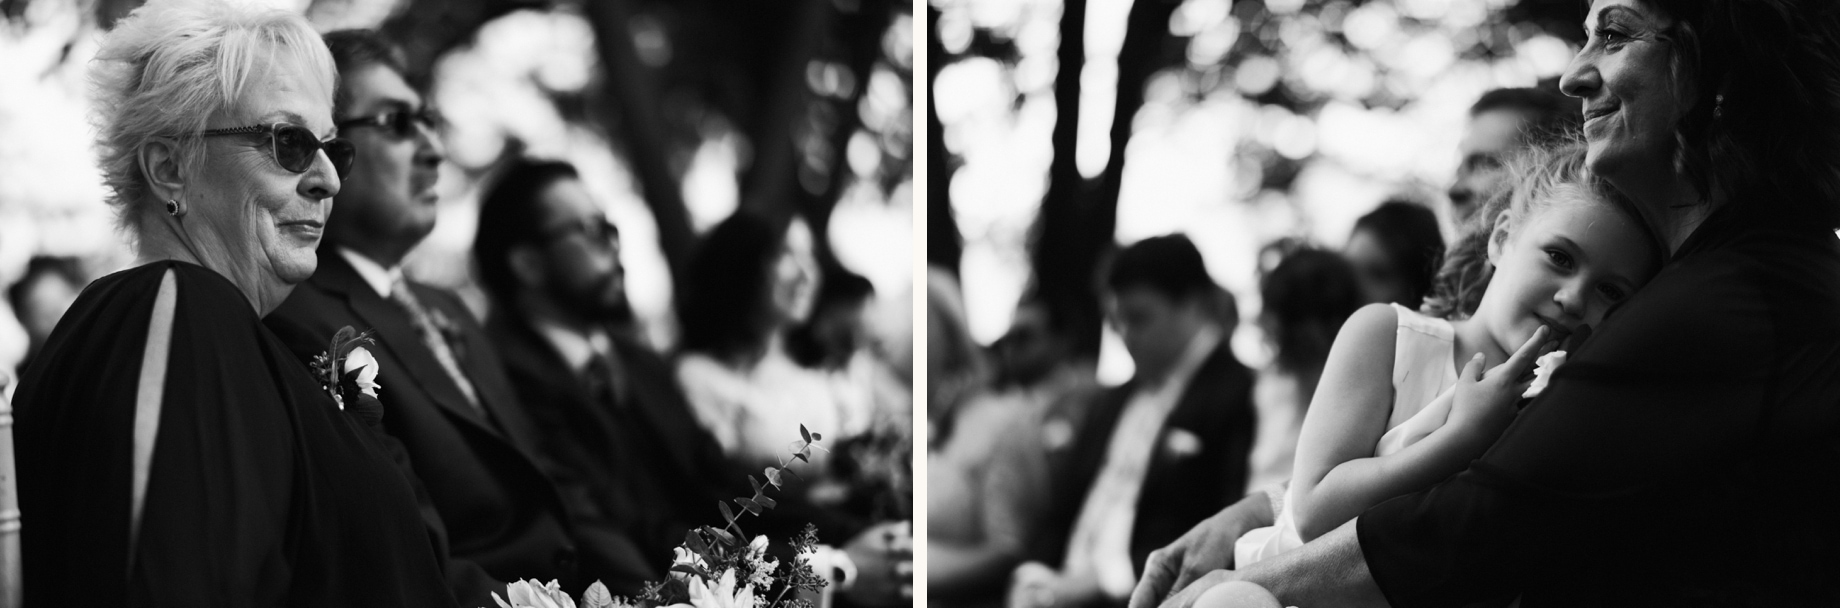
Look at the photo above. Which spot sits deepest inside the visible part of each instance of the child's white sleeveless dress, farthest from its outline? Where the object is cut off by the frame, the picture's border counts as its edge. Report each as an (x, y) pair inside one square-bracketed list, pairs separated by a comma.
[(1424, 370)]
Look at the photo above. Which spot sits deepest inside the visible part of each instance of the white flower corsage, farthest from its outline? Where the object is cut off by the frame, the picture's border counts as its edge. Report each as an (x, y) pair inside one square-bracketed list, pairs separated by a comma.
[(364, 365), (1543, 369), (531, 594), (347, 370)]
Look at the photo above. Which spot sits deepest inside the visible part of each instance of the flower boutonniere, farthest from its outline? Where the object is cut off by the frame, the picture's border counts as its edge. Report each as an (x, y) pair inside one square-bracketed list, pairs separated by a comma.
[(1542, 372), (347, 370), (1181, 444)]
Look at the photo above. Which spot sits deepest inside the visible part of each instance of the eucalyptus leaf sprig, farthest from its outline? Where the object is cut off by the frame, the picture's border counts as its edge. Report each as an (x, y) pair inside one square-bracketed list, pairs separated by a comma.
[(718, 562)]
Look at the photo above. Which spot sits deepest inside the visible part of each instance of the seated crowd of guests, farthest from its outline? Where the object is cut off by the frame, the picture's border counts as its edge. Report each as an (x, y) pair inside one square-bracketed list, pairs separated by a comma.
[(170, 428), (1048, 490)]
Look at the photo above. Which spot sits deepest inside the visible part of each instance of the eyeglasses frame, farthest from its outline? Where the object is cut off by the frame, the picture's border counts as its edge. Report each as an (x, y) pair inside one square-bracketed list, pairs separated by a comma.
[(274, 145)]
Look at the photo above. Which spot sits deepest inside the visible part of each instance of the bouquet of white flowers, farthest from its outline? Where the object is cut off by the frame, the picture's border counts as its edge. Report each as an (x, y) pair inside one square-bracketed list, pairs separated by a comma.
[(714, 567)]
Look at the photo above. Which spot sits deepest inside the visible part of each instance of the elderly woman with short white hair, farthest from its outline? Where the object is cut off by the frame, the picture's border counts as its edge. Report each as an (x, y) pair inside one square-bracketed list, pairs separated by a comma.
[(171, 451)]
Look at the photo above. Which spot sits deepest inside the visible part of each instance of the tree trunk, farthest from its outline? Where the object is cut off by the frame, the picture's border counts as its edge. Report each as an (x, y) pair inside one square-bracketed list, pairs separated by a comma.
[(637, 111), (770, 186), (944, 244), (1067, 246), (1146, 49)]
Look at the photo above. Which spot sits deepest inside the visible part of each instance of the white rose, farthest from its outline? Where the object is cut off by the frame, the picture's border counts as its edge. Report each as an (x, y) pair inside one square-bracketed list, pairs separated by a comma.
[(725, 593), (688, 558), (531, 594), (1543, 369), (365, 364)]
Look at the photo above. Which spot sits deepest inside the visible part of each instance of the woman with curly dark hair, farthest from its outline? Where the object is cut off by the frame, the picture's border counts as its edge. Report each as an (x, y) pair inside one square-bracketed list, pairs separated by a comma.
[(747, 284), (1305, 300), (1395, 251), (1686, 454)]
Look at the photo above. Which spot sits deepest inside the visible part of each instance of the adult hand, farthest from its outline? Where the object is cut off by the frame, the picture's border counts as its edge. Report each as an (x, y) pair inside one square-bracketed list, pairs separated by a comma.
[(884, 559), (1032, 585), (1205, 548), (1191, 594), (1035, 585), (1484, 402)]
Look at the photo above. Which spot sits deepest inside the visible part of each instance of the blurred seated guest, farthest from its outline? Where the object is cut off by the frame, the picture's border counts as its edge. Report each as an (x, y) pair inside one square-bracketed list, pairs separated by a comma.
[(985, 470), (833, 333), (604, 403), (835, 339), (1501, 123), (1306, 298), (1036, 371), (747, 284), (1161, 452), (41, 296), (214, 122), (1396, 249), (492, 506)]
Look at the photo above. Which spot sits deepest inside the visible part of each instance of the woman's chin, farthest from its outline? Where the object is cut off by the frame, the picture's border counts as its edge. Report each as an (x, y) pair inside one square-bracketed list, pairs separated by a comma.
[(295, 266)]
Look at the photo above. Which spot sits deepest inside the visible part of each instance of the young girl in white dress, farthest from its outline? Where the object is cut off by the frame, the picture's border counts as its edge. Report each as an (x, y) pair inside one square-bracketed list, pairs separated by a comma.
[(1553, 254)]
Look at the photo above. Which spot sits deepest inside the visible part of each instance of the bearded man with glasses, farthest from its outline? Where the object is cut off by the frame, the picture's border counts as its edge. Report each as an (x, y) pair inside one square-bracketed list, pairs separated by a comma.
[(496, 507)]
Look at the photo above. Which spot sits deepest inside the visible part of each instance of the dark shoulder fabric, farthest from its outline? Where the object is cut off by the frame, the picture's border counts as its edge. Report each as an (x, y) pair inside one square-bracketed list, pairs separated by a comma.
[(1688, 454), (491, 504), (261, 492), (1179, 488), (1182, 489)]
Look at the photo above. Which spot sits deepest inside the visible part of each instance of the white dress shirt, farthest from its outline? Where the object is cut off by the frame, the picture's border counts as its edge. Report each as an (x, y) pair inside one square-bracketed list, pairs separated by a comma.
[(576, 348), (374, 274), (1100, 549)]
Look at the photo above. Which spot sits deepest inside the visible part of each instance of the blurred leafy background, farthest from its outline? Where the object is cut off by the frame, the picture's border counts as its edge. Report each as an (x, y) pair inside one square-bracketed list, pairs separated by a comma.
[(677, 112), (1059, 129)]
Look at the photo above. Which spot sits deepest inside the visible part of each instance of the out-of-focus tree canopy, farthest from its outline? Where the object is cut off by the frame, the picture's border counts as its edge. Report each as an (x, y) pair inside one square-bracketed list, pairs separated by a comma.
[(1242, 121), (677, 112)]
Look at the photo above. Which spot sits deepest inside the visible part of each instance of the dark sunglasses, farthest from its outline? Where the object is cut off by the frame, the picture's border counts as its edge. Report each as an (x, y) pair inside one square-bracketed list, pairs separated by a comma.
[(295, 148), (398, 123)]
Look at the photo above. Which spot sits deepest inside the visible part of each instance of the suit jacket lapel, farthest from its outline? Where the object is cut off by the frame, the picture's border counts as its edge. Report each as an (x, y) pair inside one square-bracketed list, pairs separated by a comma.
[(397, 334), (1193, 401), (1094, 442), (489, 381)]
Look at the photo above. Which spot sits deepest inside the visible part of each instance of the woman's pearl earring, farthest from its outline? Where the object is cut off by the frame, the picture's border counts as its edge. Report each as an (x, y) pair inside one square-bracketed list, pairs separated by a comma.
[(173, 208), (1718, 105)]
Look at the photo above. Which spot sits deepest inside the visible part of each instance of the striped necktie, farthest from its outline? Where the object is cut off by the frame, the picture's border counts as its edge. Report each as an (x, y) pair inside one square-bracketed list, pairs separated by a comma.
[(432, 338)]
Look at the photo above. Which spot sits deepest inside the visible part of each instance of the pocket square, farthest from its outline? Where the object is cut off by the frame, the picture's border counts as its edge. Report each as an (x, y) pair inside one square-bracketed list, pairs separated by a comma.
[(1181, 443)]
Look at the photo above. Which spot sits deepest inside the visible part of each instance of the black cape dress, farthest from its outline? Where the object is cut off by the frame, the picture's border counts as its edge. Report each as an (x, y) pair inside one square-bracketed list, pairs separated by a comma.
[(260, 490), (1687, 455)]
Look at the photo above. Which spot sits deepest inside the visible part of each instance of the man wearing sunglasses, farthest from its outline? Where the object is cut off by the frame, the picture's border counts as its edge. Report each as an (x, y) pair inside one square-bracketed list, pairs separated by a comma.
[(494, 502)]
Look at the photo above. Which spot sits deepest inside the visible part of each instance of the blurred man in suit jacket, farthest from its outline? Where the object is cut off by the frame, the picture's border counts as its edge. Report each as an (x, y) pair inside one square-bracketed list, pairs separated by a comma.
[(609, 407), (492, 503), (1160, 453)]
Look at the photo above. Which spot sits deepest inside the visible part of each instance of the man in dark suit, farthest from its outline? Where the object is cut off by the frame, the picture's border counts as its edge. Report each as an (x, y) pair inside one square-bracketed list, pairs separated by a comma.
[(1160, 453), (489, 496), (609, 407)]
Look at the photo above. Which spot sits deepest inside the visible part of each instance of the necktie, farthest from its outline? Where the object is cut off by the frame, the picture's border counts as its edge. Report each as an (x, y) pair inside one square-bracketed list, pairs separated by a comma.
[(605, 379), (432, 338)]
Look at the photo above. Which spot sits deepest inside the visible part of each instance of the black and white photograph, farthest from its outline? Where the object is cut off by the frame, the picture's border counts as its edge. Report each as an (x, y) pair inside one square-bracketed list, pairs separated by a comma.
[(943, 303), (1312, 303), (457, 303)]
